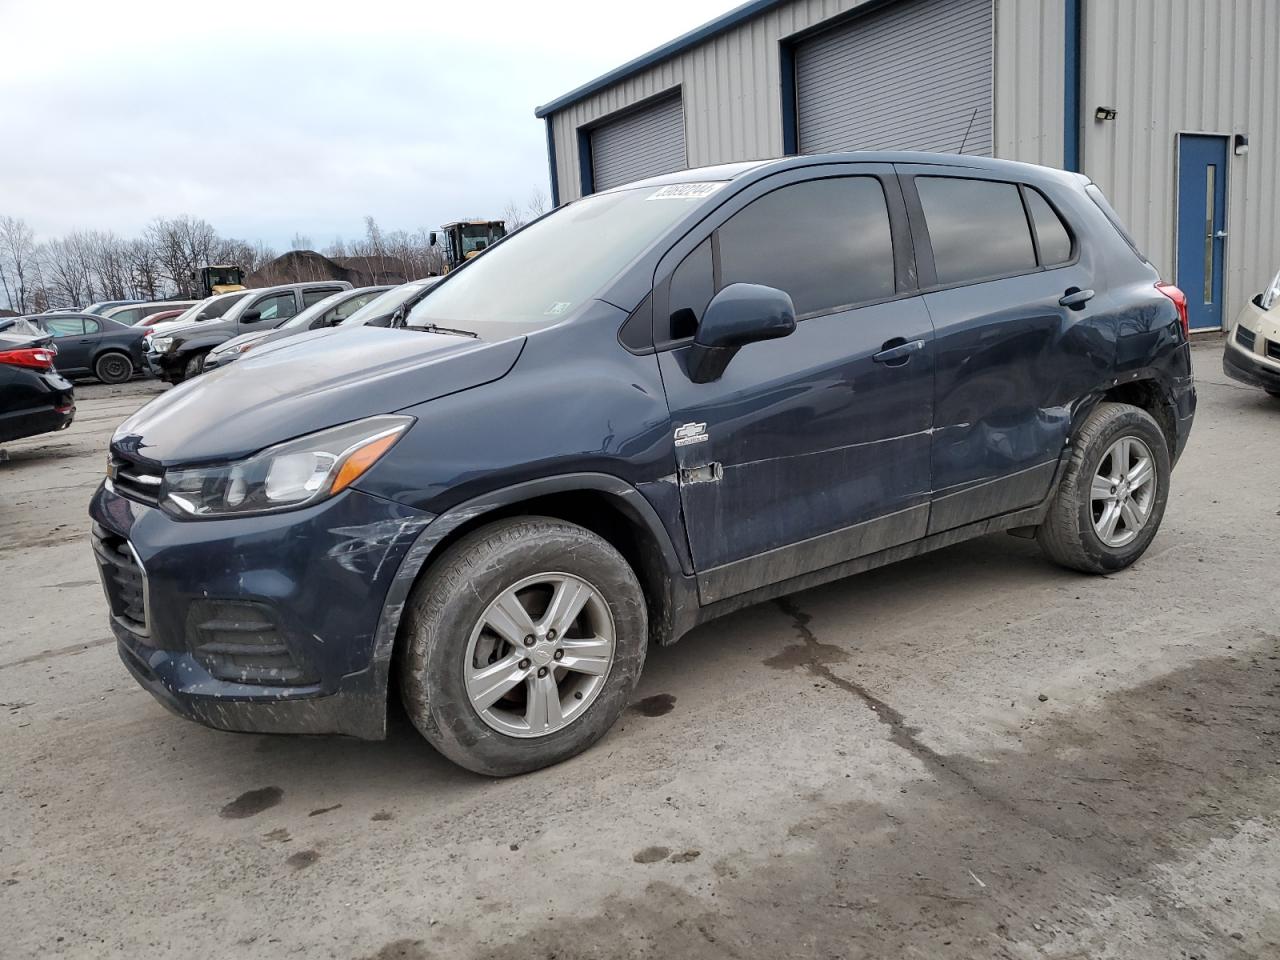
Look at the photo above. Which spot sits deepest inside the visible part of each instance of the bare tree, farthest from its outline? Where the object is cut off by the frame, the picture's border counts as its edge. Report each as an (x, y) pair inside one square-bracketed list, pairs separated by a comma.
[(17, 253)]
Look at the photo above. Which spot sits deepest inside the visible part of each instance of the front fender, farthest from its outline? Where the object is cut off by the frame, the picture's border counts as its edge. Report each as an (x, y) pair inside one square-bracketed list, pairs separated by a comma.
[(426, 547)]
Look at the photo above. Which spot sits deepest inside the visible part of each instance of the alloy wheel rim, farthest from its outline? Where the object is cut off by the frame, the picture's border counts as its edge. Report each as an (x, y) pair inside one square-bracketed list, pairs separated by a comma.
[(1123, 491), (539, 655)]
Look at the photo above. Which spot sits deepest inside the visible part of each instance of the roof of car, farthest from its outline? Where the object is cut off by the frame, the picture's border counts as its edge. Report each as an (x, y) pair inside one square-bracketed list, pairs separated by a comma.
[(735, 171)]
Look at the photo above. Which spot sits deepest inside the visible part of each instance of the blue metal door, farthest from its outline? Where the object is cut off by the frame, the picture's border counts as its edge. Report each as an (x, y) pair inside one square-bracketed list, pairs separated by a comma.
[(1202, 226)]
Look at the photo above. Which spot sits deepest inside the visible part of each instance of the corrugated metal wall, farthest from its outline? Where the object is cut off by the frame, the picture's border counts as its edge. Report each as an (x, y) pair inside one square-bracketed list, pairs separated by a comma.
[(1030, 63), (1195, 66)]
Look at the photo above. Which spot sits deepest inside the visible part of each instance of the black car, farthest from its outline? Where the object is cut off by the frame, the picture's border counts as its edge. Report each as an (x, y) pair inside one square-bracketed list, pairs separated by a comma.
[(34, 397), (648, 408), (90, 346)]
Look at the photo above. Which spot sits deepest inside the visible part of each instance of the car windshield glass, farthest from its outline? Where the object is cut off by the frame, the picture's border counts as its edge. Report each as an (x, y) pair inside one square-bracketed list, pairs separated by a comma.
[(313, 311), (384, 304), (539, 274)]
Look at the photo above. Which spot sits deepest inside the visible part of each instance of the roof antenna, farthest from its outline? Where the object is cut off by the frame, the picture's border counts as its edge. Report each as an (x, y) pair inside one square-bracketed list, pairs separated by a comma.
[(972, 118)]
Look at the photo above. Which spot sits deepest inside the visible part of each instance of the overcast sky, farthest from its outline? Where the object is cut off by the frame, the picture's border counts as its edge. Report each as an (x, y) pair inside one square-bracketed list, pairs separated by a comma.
[(272, 117)]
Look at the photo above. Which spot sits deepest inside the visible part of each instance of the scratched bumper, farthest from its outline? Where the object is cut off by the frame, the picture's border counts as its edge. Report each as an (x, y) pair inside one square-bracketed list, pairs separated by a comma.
[(320, 576)]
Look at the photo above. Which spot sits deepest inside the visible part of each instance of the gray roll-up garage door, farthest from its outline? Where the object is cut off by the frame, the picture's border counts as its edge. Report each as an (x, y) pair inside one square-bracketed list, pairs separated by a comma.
[(914, 76), (642, 144)]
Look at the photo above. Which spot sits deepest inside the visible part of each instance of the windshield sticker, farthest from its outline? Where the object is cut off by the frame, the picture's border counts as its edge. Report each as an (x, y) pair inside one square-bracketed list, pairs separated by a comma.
[(685, 191), (557, 308)]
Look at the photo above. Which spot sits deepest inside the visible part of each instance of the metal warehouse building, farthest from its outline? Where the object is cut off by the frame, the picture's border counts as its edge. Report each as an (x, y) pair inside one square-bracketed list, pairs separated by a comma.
[(1172, 106)]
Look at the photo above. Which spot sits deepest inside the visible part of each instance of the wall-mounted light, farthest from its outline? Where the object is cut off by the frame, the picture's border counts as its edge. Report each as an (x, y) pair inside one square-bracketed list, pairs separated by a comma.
[(1240, 144), (1104, 113)]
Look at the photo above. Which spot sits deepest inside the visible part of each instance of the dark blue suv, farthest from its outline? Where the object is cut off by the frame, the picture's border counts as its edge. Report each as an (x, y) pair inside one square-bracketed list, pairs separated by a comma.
[(650, 407)]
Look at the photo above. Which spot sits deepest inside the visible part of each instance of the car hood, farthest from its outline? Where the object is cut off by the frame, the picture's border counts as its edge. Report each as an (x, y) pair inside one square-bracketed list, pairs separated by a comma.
[(307, 383), (169, 326)]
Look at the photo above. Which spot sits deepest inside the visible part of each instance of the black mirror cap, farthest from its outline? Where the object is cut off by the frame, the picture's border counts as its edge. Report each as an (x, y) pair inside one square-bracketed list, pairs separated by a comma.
[(740, 314), (251, 316)]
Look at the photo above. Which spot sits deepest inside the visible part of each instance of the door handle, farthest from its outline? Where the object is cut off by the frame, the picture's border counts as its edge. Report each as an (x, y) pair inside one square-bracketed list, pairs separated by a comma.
[(897, 351), (1075, 298)]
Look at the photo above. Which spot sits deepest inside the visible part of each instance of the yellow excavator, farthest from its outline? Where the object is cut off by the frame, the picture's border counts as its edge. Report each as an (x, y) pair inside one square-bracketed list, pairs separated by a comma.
[(218, 278), (465, 239)]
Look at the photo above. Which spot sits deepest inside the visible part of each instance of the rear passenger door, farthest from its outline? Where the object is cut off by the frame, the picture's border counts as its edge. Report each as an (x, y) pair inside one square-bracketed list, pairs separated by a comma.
[(74, 346), (813, 448), (996, 260)]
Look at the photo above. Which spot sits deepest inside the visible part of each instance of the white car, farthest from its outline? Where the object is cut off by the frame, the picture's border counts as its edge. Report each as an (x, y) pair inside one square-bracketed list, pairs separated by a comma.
[(1252, 354)]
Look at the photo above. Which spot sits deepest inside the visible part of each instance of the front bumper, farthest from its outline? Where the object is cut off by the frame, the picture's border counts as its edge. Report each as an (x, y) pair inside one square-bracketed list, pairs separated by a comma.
[(1252, 351), (268, 624)]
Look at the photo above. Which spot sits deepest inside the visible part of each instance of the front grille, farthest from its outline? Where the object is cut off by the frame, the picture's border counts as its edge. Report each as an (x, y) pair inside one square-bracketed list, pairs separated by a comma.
[(123, 579), (1245, 337), (240, 641), (135, 481), (1273, 350)]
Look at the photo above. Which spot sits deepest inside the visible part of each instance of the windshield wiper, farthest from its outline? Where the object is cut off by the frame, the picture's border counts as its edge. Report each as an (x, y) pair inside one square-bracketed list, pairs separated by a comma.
[(432, 328)]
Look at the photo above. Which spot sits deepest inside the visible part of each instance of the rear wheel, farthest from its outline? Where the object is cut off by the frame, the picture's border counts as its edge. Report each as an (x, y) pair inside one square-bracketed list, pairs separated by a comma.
[(113, 367), (1111, 500), (522, 645)]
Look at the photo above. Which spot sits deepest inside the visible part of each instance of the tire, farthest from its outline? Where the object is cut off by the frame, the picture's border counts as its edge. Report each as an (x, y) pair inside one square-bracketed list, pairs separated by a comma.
[(1069, 534), (194, 365), (1274, 393), (449, 637), (113, 367)]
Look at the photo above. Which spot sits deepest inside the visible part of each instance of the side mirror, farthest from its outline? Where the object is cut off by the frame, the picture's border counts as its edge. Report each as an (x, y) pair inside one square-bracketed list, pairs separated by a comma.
[(251, 316), (739, 314)]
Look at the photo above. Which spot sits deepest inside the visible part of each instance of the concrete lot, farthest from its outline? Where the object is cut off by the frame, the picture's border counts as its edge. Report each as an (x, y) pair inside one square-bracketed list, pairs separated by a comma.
[(972, 754)]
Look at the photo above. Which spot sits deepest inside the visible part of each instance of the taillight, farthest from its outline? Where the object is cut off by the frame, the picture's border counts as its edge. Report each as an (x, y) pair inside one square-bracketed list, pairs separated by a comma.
[(35, 358), (1180, 301)]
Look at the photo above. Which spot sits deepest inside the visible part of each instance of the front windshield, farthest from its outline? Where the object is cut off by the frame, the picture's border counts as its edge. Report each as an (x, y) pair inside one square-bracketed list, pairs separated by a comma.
[(385, 304), (540, 274)]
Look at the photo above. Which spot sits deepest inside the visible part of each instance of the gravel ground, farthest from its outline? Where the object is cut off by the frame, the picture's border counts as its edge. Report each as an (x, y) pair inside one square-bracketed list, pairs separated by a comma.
[(970, 754)]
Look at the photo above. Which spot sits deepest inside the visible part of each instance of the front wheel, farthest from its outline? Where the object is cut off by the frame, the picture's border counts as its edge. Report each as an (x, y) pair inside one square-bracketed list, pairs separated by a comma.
[(1111, 500), (194, 366), (523, 644)]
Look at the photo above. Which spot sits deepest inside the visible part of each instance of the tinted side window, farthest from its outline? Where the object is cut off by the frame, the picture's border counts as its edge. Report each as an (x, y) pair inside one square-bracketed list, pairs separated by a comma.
[(977, 228), (65, 326), (315, 296), (1051, 232), (281, 306), (692, 287), (825, 242)]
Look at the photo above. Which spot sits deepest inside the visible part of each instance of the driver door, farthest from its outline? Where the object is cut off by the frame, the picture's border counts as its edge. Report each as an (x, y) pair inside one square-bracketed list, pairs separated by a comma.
[(811, 449)]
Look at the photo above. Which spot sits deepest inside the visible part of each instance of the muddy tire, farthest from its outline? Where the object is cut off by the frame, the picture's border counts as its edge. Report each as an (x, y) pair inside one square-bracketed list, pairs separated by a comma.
[(522, 645), (1112, 497), (194, 366), (113, 367)]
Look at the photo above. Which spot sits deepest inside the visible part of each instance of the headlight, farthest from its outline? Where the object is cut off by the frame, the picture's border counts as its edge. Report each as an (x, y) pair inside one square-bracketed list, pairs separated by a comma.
[(162, 344), (288, 475)]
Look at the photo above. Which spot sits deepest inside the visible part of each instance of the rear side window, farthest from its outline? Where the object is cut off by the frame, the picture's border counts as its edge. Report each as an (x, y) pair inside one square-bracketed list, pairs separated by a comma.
[(91, 326), (1051, 232), (825, 242), (978, 228), (315, 296), (65, 326)]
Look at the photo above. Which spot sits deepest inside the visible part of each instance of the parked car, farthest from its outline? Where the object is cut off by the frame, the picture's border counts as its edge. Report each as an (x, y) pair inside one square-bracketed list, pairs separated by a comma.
[(329, 312), (211, 308), (1252, 352), (94, 346), (652, 406), (176, 352), (130, 315), (34, 397), (102, 306), (384, 311), (164, 315)]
